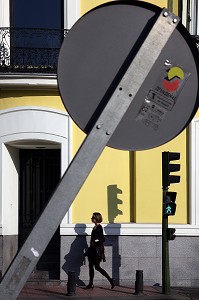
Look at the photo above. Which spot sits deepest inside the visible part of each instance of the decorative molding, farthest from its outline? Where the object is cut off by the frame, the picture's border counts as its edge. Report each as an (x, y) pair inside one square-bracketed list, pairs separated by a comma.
[(33, 119), (129, 229), (72, 12), (28, 82), (126, 229), (193, 17), (18, 127), (4, 13)]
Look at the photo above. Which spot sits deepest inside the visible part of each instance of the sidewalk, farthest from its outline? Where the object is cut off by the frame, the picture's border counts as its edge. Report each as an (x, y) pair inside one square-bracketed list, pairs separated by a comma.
[(104, 292)]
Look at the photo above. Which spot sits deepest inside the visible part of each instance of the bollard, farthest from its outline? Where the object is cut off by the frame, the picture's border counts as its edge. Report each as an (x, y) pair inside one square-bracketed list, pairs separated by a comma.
[(71, 284), (139, 282)]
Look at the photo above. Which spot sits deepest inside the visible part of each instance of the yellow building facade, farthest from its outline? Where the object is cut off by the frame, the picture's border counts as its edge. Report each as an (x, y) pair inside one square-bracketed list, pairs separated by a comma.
[(137, 175), (124, 186)]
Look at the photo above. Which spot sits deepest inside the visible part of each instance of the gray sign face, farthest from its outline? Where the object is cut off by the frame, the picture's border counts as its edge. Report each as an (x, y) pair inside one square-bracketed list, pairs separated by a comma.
[(96, 54)]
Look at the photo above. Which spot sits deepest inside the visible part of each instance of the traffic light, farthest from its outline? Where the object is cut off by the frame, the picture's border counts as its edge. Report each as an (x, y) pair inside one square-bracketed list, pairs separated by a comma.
[(171, 234), (167, 168), (169, 205)]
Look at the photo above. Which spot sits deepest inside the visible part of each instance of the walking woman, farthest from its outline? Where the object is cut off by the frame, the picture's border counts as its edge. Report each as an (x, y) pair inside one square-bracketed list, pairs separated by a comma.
[(95, 252)]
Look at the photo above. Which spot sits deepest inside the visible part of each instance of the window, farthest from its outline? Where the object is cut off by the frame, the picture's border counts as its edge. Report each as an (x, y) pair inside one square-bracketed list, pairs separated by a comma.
[(36, 33), (37, 14)]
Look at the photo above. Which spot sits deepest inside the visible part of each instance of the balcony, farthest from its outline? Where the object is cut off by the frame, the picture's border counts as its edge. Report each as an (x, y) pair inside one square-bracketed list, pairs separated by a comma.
[(30, 50), (33, 50)]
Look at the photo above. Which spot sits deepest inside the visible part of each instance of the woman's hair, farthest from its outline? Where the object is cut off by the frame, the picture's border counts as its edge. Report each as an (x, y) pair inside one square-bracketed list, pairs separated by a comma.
[(98, 217)]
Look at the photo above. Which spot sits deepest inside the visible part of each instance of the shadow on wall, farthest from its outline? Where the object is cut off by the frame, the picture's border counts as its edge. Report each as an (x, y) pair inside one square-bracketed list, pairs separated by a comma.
[(75, 258), (113, 240), (113, 201)]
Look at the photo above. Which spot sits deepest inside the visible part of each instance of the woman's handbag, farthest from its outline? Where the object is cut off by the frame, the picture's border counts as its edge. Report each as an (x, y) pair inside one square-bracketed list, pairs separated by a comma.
[(100, 253), (95, 253)]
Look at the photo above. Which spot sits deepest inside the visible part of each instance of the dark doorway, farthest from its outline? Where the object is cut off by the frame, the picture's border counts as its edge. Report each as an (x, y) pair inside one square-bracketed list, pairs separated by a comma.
[(39, 175)]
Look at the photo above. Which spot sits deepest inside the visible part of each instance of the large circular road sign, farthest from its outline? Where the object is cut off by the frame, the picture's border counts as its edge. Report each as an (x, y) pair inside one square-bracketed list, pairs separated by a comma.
[(95, 55)]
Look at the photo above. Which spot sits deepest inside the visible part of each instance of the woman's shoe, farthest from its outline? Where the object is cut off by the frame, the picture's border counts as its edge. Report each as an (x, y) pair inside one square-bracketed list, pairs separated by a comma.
[(112, 282), (89, 286)]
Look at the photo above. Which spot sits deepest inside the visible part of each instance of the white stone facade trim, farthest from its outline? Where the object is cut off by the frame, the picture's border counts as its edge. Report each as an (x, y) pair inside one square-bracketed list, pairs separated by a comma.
[(131, 229), (72, 8), (4, 13), (20, 127)]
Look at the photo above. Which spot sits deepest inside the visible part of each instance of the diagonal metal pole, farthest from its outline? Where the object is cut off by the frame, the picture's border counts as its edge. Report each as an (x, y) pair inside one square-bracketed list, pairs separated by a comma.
[(82, 164)]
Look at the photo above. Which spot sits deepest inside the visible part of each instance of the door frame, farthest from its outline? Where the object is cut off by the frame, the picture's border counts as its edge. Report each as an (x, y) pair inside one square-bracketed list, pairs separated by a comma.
[(20, 132)]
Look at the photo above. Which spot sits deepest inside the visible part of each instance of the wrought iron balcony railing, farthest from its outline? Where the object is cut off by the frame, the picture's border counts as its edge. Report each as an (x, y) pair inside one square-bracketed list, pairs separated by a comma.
[(33, 50), (30, 50)]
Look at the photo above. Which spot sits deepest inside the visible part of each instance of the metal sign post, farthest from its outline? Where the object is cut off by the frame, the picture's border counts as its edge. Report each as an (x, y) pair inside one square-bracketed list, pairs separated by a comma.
[(85, 159)]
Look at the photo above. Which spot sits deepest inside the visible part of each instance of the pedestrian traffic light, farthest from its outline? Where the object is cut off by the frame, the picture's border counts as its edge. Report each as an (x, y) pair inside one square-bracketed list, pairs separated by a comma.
[(167, 168), (169, 205), (171, 234)]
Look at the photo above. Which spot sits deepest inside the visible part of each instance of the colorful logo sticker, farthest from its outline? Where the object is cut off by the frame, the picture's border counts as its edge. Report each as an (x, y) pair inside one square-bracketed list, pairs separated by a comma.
[(162, 97), (172, 82)]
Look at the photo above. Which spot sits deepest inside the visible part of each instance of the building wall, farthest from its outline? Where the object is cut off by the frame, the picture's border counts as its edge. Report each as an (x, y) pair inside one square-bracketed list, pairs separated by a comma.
[(126, 254), (108, 181), (126, 188), (148, 174), (130, 173), (86, 5), (23, 125), (16, 98), (31, 112), (137, 175), (133, 248)]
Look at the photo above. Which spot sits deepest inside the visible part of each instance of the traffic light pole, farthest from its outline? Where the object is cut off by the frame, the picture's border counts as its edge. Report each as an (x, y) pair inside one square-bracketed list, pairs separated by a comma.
[(167, 179), (165, 251)]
